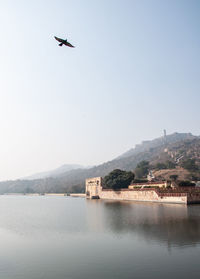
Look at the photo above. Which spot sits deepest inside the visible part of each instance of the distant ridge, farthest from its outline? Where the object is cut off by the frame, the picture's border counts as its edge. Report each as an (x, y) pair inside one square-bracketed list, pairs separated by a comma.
[(154, 151), (53, 173), (146, 145)]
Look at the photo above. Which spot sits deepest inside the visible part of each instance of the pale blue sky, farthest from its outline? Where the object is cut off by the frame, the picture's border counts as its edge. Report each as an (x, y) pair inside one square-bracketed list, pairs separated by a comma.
[(134, 72)]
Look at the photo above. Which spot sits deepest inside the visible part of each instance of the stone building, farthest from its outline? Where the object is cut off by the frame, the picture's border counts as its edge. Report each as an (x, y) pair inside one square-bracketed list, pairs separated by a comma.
[(146, 192), (93, 187)]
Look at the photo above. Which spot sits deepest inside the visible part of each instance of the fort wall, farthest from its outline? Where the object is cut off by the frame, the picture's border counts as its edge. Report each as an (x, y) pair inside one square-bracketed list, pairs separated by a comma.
[(185, 195), (142, 195)]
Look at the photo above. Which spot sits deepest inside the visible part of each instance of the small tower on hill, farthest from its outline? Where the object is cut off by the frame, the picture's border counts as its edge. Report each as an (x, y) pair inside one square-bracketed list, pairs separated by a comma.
[(164, 136)]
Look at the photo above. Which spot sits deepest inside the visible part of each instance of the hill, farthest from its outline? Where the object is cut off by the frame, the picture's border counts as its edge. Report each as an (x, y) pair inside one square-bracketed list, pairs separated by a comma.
[(155, 143), (54, 173), (181, 173), (176, 148)]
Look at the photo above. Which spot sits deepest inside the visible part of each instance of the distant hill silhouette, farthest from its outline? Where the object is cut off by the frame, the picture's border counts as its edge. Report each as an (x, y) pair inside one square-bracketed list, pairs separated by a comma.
[(55, 172), (155, 151)]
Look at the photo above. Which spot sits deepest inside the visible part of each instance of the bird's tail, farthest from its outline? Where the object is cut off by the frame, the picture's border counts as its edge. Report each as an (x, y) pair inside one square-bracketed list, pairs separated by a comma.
[(60, 44)]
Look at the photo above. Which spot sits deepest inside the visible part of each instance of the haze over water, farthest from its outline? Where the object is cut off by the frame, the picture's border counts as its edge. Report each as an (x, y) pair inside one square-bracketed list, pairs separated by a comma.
[(60, 237)]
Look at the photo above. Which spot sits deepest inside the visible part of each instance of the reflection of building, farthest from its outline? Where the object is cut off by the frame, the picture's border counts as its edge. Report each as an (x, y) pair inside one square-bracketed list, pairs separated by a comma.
[(149, 192)]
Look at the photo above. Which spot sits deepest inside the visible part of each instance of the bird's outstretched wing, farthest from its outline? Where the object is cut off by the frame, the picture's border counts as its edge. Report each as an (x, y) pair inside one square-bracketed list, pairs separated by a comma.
[(59, 40), (68, 44)]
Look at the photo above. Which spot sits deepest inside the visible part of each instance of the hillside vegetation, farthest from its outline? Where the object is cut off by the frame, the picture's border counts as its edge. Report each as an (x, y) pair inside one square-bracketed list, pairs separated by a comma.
[(176, 154)]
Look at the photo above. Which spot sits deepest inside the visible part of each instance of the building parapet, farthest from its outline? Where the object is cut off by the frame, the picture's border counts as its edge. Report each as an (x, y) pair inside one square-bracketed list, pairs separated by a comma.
[(160, 184)]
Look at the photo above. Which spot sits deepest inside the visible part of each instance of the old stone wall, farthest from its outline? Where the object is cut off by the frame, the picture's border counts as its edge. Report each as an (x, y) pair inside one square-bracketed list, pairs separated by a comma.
[(180, 195), (147, 195)]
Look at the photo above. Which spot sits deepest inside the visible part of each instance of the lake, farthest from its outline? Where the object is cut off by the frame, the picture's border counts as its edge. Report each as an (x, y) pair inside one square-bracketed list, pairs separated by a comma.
[(51, 237)]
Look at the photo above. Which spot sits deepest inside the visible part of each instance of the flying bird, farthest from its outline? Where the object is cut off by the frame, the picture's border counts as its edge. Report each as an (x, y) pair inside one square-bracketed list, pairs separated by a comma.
[(63, 42)]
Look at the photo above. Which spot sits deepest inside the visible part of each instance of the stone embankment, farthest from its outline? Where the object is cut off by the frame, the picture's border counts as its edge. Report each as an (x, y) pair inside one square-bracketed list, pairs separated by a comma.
[(184, 195), (146, 195), (77, 195)]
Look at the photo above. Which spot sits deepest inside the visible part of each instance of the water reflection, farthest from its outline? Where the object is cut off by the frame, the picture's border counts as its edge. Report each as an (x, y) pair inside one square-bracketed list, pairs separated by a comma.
[(61, 237), (36, 217), (41, 217), (170, 224)]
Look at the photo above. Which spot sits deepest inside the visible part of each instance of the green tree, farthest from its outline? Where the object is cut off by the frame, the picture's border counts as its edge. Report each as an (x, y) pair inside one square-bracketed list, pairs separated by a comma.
[(160, 166), (117, 179), (137, 180), (173, 177), (142, 169), (166, 165), (190, 164), (170, 165), (186, 183)]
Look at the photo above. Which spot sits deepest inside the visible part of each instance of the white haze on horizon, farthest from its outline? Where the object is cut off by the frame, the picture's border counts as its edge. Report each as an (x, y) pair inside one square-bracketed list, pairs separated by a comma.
[(134, 72)]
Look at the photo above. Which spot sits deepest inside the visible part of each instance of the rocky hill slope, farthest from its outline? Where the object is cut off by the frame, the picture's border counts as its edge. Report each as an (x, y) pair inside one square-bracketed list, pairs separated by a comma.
[(176, 148)]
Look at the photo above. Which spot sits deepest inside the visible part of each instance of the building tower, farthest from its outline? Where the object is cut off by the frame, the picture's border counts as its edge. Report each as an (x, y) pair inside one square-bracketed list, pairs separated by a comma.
[(93, 187), (164, 136)]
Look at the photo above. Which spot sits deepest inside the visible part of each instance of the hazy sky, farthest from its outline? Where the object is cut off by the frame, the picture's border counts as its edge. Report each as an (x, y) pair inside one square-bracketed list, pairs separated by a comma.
[(134, 72)]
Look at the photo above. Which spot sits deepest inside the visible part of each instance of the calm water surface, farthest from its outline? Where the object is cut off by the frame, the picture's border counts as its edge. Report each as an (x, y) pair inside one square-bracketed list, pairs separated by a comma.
[(70, 238)]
